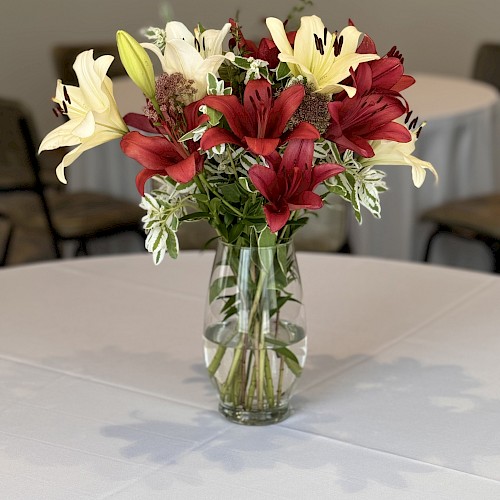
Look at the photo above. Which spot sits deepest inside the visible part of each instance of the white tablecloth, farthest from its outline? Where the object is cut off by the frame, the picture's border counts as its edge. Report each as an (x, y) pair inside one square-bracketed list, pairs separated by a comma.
[(103, 393), (459, 140)]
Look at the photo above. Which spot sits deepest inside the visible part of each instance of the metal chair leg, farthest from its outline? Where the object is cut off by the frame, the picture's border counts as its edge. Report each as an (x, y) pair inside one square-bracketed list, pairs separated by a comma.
[(81, 248), (429, 243), (495, 250), (4, 254)]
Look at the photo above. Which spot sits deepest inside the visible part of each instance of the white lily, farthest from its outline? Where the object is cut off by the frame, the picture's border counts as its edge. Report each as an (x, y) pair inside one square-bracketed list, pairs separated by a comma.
[(193, 55), (400, 153), (93, 115), (323, 58)]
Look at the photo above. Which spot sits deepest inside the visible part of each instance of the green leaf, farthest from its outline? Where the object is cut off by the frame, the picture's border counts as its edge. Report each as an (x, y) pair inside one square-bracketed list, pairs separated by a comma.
[(172, 244), (229, 303), (290, 360), (235, 232), (242, 62), (266, 238), (214, 116), (212, 83), (195, 216), (230, 193), (215, 204), (282, 258), (201, 198), (282, 71), (219, 285)]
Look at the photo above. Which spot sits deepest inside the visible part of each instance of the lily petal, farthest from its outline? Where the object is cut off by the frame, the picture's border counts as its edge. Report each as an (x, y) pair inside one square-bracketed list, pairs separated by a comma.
[(175, 30), (276, 218), (90, 76), (215, 136), (260, 146)]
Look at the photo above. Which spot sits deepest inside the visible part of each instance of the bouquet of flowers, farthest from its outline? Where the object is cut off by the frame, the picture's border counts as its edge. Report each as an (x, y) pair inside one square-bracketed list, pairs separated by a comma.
[(243, 137), (252, 139)]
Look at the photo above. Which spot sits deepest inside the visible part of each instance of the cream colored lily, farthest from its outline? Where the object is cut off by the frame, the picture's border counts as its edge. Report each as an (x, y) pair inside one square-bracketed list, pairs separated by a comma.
[(93, 115), (399, 153), (193, 55), (323, 58)]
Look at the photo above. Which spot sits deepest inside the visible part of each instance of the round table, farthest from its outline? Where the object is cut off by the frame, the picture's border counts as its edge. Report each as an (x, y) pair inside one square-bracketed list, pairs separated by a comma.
[(104, 393), (459, 140)]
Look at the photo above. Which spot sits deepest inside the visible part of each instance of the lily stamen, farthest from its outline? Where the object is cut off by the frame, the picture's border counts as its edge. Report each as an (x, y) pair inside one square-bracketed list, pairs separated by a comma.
[(337, 45), (66, 95), (413, 123)]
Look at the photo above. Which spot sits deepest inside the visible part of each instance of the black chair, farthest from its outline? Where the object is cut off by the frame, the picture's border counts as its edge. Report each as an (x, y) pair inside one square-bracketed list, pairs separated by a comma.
[(476, 218), (36, 209)]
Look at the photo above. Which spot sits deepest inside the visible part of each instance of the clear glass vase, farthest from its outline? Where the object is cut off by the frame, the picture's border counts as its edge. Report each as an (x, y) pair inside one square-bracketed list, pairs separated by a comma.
[(254, 338)]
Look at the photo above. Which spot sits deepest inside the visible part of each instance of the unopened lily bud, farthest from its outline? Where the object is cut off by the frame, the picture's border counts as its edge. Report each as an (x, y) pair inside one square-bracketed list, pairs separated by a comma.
[(137, 63)]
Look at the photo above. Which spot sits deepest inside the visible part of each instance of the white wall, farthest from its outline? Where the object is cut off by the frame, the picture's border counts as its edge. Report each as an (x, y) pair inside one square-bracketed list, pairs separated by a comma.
[(434, 35)]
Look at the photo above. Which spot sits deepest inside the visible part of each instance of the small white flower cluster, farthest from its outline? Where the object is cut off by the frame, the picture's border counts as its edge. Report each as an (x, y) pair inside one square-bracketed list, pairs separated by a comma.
[(254, 73), (156, 35)]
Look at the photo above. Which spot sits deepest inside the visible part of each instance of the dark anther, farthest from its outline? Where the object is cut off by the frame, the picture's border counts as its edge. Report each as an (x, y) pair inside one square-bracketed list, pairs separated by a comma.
[(204, 48), (408, 116), (337, 45), (65, 107), (380, 99), (66, 95), (413, 123), (197, 45), (319, 44), (418, 131), (316, 41), (56, 112), (325, 33)]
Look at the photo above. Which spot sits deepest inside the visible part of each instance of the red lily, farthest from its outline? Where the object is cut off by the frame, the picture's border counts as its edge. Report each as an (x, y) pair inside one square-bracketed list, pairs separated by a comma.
[(289, 182), (160, 155), (368, 115), (266, 50), (388, 71), (258, 124)]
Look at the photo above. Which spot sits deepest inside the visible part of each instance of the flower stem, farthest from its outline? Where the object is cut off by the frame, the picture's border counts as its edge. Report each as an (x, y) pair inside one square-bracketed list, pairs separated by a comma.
[(208, 188)]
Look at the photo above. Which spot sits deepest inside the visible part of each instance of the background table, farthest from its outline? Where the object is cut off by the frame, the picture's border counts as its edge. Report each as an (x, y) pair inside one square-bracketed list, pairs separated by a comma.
[(103, 393), (459, 139)]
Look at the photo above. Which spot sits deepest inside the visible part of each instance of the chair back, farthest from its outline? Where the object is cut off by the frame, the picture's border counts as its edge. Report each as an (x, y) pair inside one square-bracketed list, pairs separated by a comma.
[(487, 64), (19, 165)]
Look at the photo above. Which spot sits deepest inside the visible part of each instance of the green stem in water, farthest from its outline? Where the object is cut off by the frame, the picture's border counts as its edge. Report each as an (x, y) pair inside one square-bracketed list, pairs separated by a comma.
[(280, 380), (251, 389), (269, 380)]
